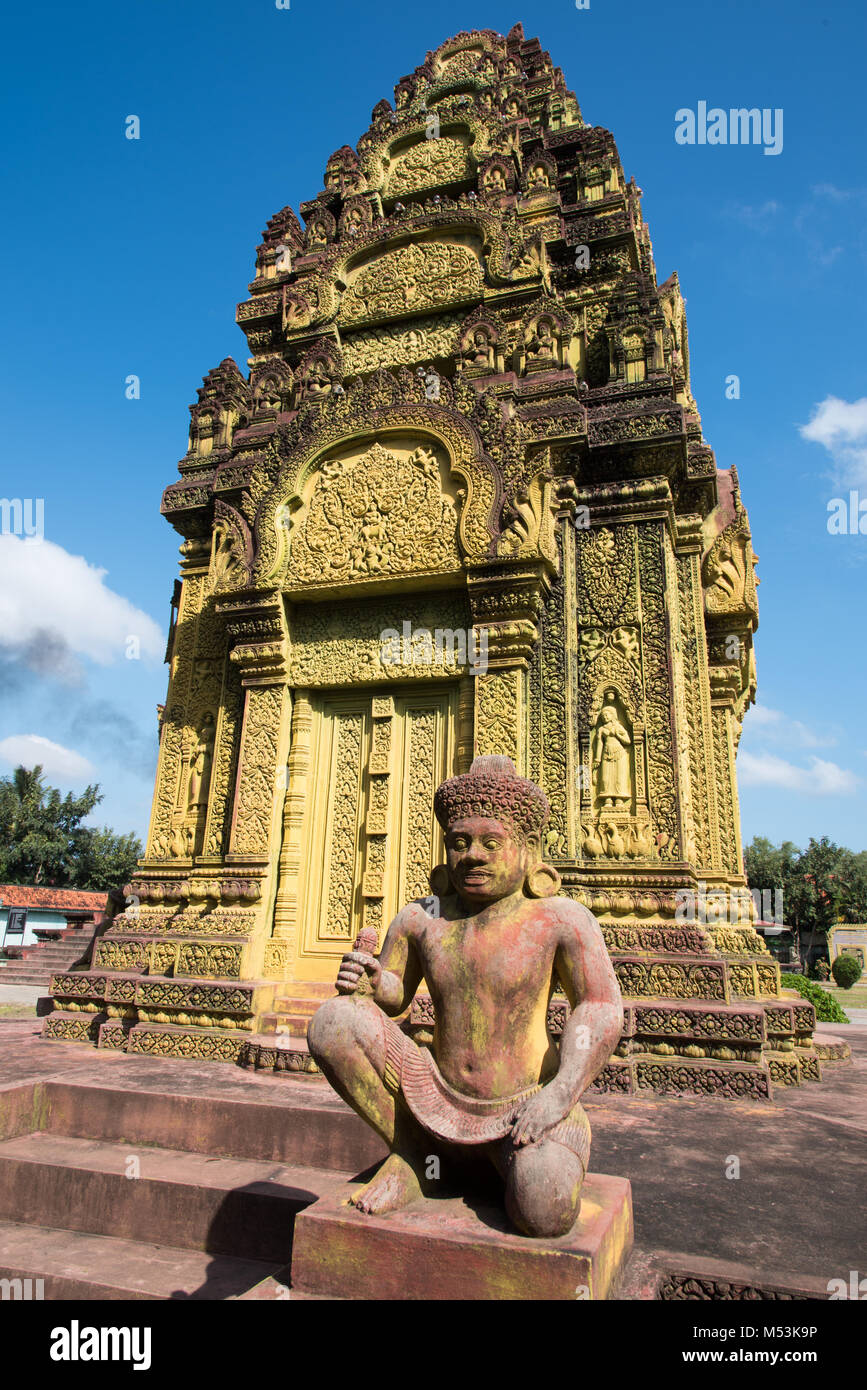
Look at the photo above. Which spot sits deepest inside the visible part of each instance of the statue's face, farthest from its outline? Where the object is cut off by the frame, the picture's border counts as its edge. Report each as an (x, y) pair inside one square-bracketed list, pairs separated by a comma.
[(486, 861)]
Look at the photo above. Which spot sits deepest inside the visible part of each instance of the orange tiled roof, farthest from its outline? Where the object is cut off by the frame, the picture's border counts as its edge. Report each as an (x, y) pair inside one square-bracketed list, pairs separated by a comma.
[(50, 899)]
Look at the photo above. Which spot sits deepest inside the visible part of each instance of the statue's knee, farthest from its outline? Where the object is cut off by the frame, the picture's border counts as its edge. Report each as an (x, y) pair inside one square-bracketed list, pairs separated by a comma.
[(336, 1025), (327, 1026), (543, 1190)]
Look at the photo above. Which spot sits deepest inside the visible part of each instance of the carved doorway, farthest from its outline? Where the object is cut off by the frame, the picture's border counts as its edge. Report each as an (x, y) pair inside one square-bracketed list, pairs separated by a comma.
[(367, 838)]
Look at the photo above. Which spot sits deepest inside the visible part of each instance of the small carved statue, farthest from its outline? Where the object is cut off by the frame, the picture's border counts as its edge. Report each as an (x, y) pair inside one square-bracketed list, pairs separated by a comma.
[(481, 353), (317, 235), (268, 395), (318, 382), (494, 180), (538, 180), (542, 346), (354, 222), (200, 766), (611, 759), (491, 944)]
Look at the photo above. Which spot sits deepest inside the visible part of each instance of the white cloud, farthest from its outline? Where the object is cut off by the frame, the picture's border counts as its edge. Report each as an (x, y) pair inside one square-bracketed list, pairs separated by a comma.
[(821, 778), (773, 725), (841, 428), (30, 750), (55, 607), (839, 195), (756, 215)]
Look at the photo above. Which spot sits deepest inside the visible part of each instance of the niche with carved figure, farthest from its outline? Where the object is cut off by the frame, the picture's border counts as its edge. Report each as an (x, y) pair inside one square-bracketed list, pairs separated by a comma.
[(612, 753)]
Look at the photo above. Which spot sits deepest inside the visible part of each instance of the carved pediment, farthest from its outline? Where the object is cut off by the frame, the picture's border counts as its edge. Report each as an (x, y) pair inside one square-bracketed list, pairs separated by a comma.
[(375, 513), (430, 163), (410, 279)]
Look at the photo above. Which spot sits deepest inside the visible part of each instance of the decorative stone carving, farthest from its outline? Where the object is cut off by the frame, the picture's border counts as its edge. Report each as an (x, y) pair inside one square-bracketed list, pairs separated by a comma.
[(728, 571), (429, 164), (200, 767), (375, 514), (321, 230), (411, 279), (271, 382), (417, 341)]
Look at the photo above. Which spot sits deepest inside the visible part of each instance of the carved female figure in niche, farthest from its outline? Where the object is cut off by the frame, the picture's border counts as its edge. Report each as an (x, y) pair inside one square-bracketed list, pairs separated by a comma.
[(200, 766), (538, 180), (611, 759)]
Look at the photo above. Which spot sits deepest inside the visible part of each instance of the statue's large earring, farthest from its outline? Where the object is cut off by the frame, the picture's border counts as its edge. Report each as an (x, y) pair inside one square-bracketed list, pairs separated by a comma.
[(440, 883), (542, 882)]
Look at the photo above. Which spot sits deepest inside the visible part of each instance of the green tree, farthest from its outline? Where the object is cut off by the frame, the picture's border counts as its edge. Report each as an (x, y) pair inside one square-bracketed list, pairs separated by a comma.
[(770, 866), (853, 897), (817, 887), (43, 840)]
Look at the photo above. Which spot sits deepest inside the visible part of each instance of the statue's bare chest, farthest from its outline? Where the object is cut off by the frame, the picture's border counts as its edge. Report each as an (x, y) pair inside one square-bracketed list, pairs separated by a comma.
[(496, 962)]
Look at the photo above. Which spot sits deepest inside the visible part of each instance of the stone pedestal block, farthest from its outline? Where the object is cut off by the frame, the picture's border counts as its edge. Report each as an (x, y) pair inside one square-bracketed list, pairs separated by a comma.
[(446, 1249)]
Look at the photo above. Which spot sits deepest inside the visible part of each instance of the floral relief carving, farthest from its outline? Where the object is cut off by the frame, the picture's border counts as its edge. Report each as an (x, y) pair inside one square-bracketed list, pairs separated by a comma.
[(430, 163)]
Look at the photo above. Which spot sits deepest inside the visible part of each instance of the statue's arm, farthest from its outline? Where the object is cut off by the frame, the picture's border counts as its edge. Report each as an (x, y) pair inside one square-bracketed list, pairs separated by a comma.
[(401, 969), (593, 1028)]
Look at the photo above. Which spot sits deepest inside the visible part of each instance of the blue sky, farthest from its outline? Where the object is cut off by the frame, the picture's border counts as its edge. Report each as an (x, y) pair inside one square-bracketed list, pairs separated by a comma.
[(129, 257)]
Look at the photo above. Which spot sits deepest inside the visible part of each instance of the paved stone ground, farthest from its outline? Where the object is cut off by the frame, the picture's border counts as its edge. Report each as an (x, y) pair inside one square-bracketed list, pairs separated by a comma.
[(26, 995), (797, 1206), (796, 1209)]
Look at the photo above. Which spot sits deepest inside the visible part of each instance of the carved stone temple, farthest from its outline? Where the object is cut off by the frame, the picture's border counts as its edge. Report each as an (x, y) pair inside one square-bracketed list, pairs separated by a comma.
[(458, 503)]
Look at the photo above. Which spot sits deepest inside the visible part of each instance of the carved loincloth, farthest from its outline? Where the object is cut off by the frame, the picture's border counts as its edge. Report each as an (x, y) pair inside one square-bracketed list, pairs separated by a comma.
[(412, 1072)]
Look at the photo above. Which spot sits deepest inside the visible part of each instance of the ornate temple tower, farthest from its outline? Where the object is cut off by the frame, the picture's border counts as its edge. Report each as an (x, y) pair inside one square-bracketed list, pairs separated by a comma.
[(461, 504)]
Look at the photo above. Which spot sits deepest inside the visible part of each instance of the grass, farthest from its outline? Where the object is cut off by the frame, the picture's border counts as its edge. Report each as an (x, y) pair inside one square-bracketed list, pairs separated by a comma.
[(854, 998), (17, 1011)]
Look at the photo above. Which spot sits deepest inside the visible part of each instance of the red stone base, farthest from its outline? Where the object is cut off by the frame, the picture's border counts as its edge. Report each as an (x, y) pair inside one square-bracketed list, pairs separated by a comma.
[(444, 1249)]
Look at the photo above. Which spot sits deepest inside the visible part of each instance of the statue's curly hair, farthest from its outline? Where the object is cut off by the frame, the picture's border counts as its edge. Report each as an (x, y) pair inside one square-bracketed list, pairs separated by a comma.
[(493, 788)]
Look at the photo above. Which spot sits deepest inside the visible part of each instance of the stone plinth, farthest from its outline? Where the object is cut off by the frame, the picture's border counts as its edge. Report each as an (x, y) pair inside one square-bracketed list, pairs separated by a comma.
[(447, 1249)]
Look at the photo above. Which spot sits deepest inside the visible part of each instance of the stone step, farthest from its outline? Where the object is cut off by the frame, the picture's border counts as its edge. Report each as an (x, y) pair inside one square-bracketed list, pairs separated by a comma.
[(25, 977), (51, 953), (308, 989), (295, 1005), (224, 1206), (293, 1024), (266, 1119), (54, 950), (82, 1266)]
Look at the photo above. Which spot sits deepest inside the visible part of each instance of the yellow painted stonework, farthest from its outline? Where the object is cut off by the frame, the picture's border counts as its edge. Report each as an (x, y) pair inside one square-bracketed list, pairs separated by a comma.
[(454, 433)]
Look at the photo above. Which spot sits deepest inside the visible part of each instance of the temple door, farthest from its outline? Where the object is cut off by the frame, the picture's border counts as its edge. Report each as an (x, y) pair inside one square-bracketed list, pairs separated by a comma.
[(368, 837)]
